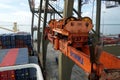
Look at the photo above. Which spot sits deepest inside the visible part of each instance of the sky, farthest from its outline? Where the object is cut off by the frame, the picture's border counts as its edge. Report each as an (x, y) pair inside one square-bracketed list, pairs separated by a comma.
[(15, 11), (18, 11), (110, 16)]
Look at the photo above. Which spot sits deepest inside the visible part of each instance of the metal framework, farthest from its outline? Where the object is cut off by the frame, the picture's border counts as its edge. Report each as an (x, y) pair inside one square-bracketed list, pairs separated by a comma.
[(72, 41), (40, 35)]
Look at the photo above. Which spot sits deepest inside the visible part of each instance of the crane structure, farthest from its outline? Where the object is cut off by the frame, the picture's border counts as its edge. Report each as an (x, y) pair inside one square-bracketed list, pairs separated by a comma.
[(15, 28), (71, 37), (6, 29)]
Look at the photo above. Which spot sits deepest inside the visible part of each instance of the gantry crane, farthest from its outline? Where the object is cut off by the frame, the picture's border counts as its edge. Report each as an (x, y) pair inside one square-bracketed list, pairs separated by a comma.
[(71, 37), (62, 34)]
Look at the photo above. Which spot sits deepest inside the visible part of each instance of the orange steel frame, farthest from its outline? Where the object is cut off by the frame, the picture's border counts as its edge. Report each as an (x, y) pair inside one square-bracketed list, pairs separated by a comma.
[(81, 57)]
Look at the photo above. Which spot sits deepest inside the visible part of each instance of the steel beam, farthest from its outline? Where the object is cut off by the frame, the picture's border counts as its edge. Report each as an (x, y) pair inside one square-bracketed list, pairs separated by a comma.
[(79, 7), (32, 24), (30, 5), (98, 17), (68, 8), (79, 15), (38, 32), (65, 67), (55, 10), (44, 42)]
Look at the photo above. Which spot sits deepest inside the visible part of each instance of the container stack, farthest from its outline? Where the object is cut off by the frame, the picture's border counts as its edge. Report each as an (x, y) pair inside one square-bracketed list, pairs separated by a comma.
[(32, 71), (19, 57), (7, 75), (0, 42), (12, 40), (8, 41)]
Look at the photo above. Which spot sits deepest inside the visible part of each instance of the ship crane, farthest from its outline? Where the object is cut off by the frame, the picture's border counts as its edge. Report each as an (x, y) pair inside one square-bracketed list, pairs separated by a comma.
[(6, 29), (71, 37), (15, 29)]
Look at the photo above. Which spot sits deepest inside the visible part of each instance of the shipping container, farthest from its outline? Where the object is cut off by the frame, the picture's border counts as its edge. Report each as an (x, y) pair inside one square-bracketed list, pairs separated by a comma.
[(8, 41), (15, 56)]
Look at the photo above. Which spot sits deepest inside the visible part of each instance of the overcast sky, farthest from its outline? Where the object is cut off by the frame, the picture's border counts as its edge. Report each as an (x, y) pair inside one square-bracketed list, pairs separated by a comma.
[(14, 11), (18, 11), (110, 16)]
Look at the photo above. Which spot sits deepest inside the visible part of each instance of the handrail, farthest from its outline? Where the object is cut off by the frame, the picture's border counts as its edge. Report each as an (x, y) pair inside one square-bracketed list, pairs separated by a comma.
[(38, 70)]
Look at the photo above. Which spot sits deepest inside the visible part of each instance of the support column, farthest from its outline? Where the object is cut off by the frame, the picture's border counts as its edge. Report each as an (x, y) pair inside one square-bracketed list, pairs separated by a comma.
[(65, 67), (32, 24), (44, 42), (51, 15), (65, 64), (38, 32), (79, 7), (68, 8), (54, 16), (98, 17)]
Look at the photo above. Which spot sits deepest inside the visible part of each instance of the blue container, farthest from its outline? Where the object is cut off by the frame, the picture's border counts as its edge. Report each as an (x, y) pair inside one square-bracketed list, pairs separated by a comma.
[(22, 58), (3, 38), (22, 74), (12, 37), (0, 37), (32, 71)]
